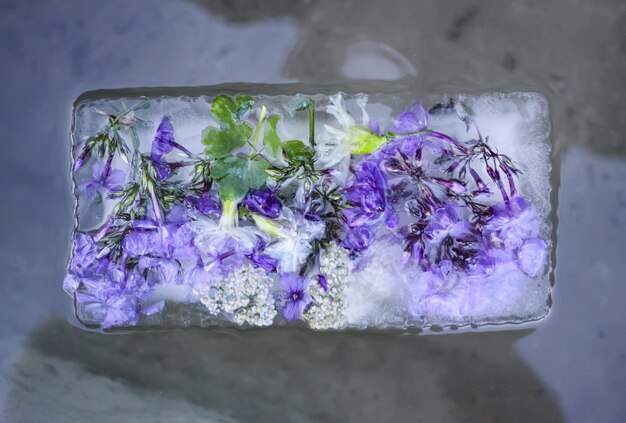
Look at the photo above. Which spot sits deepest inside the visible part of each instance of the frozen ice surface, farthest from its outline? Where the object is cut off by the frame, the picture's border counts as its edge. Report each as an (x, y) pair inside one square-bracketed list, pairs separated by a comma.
[(381, 290)]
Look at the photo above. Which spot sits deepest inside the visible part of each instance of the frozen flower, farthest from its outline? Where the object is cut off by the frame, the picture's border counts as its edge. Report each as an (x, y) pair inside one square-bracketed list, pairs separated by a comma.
[(509, 225), (410, 121), (164, 140), (104, 180), (326, 308), (447, 223), (365, 196), (491, 262), (207, 204), (116, 299), (161, 246), (211, 237), (85, 261), (532, 256), (213, 268), (162, 145), (294, 296), (109, 307), (294, 236), (358, 239), (260, 259), (264, 202), (244, 294), (350, 138)]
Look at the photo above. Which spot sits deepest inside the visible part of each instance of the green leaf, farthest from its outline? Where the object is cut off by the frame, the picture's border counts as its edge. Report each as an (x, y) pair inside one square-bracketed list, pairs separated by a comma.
[(243, 103), (236, 175), (303, 103), (297, 152), (222, 142), (223, 108), (257, 173), (232, 177), (270, 138)]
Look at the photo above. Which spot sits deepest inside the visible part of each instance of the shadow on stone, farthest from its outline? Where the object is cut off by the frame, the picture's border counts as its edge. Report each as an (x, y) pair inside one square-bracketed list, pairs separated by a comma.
[(278, 375)]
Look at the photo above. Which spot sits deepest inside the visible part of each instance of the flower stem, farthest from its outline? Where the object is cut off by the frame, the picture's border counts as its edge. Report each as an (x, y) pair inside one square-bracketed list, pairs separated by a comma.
[(258, 130), (155, 204), (312, 126), (229, 218)]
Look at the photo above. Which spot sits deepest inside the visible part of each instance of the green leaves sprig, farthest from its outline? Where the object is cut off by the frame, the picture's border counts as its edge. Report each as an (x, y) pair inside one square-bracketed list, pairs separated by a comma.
[(232, 134)]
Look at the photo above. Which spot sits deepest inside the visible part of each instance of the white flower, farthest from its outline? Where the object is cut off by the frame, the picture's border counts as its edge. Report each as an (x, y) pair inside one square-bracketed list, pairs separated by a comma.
[(293, 245), (336, 144), (212, 237)]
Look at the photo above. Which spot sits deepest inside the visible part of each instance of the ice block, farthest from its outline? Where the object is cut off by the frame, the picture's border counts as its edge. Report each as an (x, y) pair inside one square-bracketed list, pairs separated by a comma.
[(334, 211)]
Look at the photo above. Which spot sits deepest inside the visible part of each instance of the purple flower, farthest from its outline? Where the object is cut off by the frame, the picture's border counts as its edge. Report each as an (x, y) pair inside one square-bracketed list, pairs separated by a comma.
[(109, 307), (104, 180), (510, 225), (532, 256), (263, 202), (366, 196), (84, 262), (491, 262), (446, 223), (207, 204), (161, 246), (163, 144), (358, 239), (116, 299), (163, 141), (259, 259), (413, 120), (295, 295)]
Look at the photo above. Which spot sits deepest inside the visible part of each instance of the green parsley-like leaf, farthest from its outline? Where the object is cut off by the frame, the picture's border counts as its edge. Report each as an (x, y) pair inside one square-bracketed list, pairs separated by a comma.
[(223, 108), (298, 152), (236, 175), (230, 136), (257, 173), (222, 142), (243, 103), (232, 177)]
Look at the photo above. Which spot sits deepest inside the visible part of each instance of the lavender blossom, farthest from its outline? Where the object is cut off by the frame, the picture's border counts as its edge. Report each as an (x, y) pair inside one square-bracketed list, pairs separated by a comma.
[(295, 294)]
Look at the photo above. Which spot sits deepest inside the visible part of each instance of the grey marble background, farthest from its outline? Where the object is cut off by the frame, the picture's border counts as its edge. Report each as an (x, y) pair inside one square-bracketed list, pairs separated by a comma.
[(570, 367)]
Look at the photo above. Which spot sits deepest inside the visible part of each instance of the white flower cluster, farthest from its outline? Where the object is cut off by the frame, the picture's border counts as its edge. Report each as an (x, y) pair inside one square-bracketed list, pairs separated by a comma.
[(326, 309), (245, 294)]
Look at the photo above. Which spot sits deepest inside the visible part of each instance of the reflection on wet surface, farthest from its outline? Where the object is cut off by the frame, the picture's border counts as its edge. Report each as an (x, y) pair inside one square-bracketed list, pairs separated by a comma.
[(565, 368)]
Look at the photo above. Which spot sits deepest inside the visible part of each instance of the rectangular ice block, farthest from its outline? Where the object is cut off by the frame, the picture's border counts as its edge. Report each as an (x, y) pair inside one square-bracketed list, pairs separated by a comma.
[(327, 211)]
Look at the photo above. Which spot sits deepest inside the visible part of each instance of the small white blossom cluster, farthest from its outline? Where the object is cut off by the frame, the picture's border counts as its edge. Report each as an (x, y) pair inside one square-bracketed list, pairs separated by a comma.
[(326, 309), (245, 294)]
